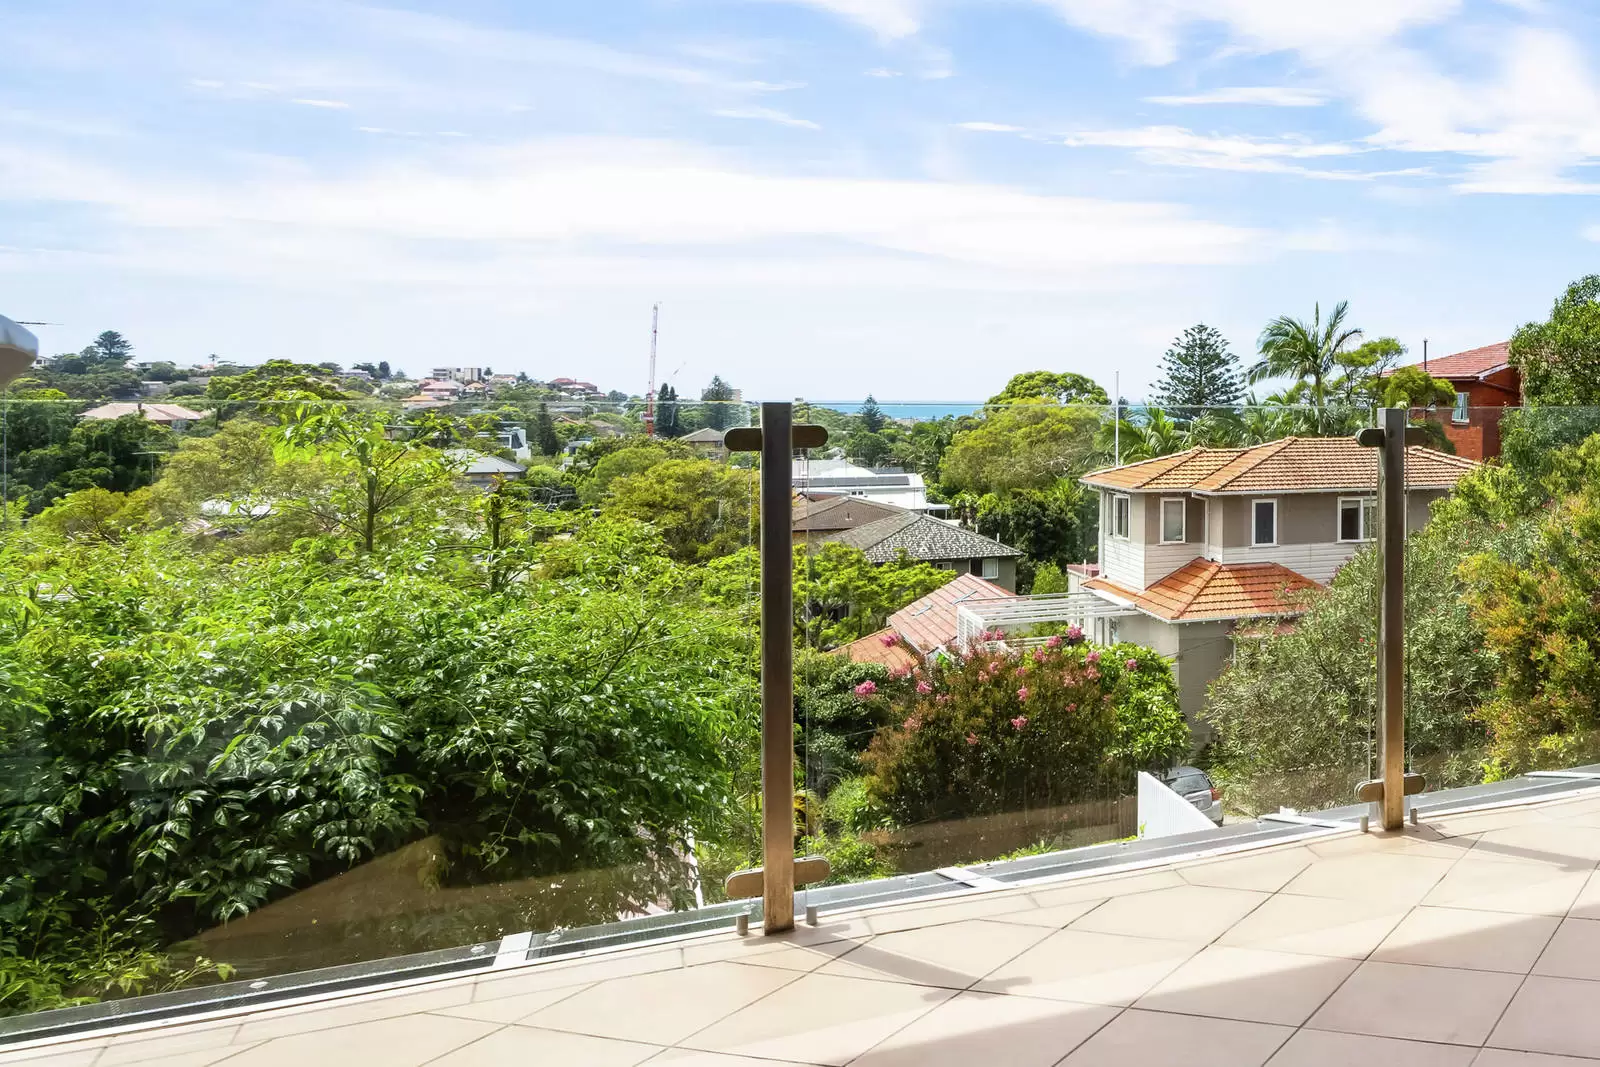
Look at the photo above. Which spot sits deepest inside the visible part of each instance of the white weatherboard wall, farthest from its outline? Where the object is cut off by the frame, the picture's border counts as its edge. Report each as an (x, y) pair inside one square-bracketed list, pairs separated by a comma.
[(1163, 813)]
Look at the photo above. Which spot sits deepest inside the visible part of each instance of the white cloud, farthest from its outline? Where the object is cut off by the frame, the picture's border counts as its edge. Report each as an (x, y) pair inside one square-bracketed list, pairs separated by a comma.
[(888, 19), (883, 72), (1262, 95), (766, 114), (988, 127), (334, 105)]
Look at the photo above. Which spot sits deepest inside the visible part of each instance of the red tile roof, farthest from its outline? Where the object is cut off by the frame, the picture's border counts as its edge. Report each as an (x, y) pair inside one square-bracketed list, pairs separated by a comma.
[(872, 649), (1205, 589), (1473, 363), (1291, 464), (930, 623)]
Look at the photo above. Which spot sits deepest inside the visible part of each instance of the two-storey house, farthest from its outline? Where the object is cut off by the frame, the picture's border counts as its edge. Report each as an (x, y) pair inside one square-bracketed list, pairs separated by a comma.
[(1194, 543)]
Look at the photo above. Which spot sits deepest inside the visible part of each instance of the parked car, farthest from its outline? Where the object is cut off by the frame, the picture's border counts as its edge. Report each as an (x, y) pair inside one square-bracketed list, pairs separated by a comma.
[(1195, 786)]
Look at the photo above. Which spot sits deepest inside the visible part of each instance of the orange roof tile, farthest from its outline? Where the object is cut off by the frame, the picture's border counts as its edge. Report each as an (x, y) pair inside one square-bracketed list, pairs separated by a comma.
[(1473, 363), (1290, 464), (872, 649), (930, 623), (1205, 589)]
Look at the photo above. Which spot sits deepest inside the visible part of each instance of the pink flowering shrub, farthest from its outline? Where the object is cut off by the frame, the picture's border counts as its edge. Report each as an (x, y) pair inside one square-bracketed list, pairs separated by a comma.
[(1090, 722)]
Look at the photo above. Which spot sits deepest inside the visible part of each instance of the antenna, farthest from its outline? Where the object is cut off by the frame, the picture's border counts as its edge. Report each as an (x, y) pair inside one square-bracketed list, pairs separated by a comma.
[(650, 393)]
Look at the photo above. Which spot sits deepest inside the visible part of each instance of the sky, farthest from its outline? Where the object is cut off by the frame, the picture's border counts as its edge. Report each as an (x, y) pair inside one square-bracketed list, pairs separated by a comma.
[(912, 198)]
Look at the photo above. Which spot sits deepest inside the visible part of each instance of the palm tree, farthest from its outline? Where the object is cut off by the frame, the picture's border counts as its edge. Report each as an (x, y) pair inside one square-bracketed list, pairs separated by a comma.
[(1308, 352)]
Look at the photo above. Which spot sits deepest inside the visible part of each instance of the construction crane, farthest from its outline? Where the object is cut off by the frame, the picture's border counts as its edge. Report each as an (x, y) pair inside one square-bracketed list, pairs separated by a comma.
[(650, 393)]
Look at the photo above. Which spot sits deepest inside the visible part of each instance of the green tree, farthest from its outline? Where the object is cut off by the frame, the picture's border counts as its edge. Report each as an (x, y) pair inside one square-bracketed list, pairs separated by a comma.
[(702, 509), (1050, 526), (1199, 372), (110, 349), (544, 433), (1560, 357), (1306, 351), (867, 448), (1058, 386), (275, 380), (1022, 445), (871, 416), (668, 421), (719, 405), (1048, 580), (1413, 387)]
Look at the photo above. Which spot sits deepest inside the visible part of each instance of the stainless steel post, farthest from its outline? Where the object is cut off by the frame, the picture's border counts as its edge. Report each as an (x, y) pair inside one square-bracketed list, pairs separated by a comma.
[(777, 669), (1391, 613)]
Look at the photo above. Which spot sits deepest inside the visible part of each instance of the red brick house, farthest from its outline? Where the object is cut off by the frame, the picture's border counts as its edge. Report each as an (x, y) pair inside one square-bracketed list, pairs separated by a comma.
[(1486, 384)]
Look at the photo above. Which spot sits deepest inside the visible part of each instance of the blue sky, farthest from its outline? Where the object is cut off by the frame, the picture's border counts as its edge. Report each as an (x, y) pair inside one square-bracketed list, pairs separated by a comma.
[(915, 198)]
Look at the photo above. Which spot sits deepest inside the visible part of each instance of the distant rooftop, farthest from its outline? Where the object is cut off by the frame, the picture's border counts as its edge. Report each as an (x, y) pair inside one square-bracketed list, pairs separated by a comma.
[(1473, 363), (1292, 464), (920, 537), (930, 622), (151, 412)]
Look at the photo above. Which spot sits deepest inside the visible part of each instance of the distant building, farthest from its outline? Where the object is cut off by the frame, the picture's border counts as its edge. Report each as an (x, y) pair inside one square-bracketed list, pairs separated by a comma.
[(924, 627), (707, 442), (1486, 384), (463, 375), (817, 519), (839, 477), (174, 416), (930, 540), (572, 386), (481, 469)]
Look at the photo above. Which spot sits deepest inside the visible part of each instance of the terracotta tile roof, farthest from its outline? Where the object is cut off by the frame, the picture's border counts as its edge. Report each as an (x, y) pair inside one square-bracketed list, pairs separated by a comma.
[(1291, 464), (152, 412), (930, 623), (1473, 363), (871, 649), (1205, 589)]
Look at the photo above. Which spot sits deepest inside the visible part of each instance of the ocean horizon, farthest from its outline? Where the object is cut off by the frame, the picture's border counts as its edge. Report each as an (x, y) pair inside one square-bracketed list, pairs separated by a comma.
[(932, 409)]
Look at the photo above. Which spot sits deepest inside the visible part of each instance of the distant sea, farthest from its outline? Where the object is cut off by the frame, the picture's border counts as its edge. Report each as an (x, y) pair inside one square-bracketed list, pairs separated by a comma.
[(933, 409)]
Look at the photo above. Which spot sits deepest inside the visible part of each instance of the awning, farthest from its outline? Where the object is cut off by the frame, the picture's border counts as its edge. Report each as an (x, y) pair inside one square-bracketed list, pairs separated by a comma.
[(18, 349)]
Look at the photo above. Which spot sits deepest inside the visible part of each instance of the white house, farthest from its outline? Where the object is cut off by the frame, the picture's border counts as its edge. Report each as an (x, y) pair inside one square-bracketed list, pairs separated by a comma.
[(840, 477)]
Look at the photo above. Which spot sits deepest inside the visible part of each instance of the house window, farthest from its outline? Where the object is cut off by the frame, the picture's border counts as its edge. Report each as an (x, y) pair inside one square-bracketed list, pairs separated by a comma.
[(1120, 509), (1172, 520), (991, 568), (1263, 522), (1358, 518), (1460, 415)]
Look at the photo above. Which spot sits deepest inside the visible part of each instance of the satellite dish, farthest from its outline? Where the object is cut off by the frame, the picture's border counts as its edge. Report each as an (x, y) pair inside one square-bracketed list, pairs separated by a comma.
[(18, 349)]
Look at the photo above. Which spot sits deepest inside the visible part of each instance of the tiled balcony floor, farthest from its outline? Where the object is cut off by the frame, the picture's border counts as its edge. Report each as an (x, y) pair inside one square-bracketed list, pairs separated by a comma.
[(1474, 939)]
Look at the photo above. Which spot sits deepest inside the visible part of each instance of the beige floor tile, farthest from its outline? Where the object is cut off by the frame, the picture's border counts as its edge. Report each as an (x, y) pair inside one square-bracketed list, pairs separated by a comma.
[(1100, 888), (527, 1045), (819, 1018), (689, 1057), (1324, 1048), (661, 1008), (405, 1042), (1182, 913), (1395, 878), (166, 1045), (1054, 917), (1564, 844), (1556, 1015), (1266, 872), (510, 1009), (1412, 841), (778, 951), (1249, 984), (1317, 926), (954, 955), (1143, 1038), (301, 1020), (72, 1057), (1479, 940), (977, 906), (1498, 885), (979, 1028), (1500, 1057), (1091, 968), (540, 976), (1421, 1003), (1586, 905), (1574, 952)]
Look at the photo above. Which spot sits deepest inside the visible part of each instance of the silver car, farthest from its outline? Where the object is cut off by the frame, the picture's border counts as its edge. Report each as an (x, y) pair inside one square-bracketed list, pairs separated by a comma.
[(1195, 786)]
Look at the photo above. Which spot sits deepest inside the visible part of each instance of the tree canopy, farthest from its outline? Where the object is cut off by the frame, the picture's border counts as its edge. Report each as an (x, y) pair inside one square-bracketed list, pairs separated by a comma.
[(1062, 387), (1198, 372)]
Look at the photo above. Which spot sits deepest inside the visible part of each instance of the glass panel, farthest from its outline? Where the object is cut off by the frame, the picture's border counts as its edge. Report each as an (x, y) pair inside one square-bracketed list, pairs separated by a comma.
[(1350, 513), (1172, 520), (1266, 522)]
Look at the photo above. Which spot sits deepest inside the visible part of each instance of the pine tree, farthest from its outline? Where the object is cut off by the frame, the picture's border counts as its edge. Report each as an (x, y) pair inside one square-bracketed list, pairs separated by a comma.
[(1198, 372), (718, 398), (383, 370), (668, 424), (544, 433), (871, 415)]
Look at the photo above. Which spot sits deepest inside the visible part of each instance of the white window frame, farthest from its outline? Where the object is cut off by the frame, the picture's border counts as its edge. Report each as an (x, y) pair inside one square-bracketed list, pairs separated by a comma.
[(1183, 520), (1461, 414), (990, 568), (1256, 502), (1126, 503), (1367, 531)]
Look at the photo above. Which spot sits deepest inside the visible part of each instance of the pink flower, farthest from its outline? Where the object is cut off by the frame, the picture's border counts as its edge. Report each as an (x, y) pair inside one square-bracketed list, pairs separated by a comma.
[(912, 723), (972, 739), (1022, 694), (900, 672), (942, 698), (1053, 641), (924, 688), (1075, 634), (1019, 722), (1132, 664), (890, 640), (1040, 655), (1092, 673), (1072, 708), (1022, 670), (866, 689), (1093, 657)]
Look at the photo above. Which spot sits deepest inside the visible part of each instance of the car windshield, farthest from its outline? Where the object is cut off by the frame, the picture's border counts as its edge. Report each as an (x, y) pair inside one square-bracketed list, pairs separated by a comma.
[(1190, 783)]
